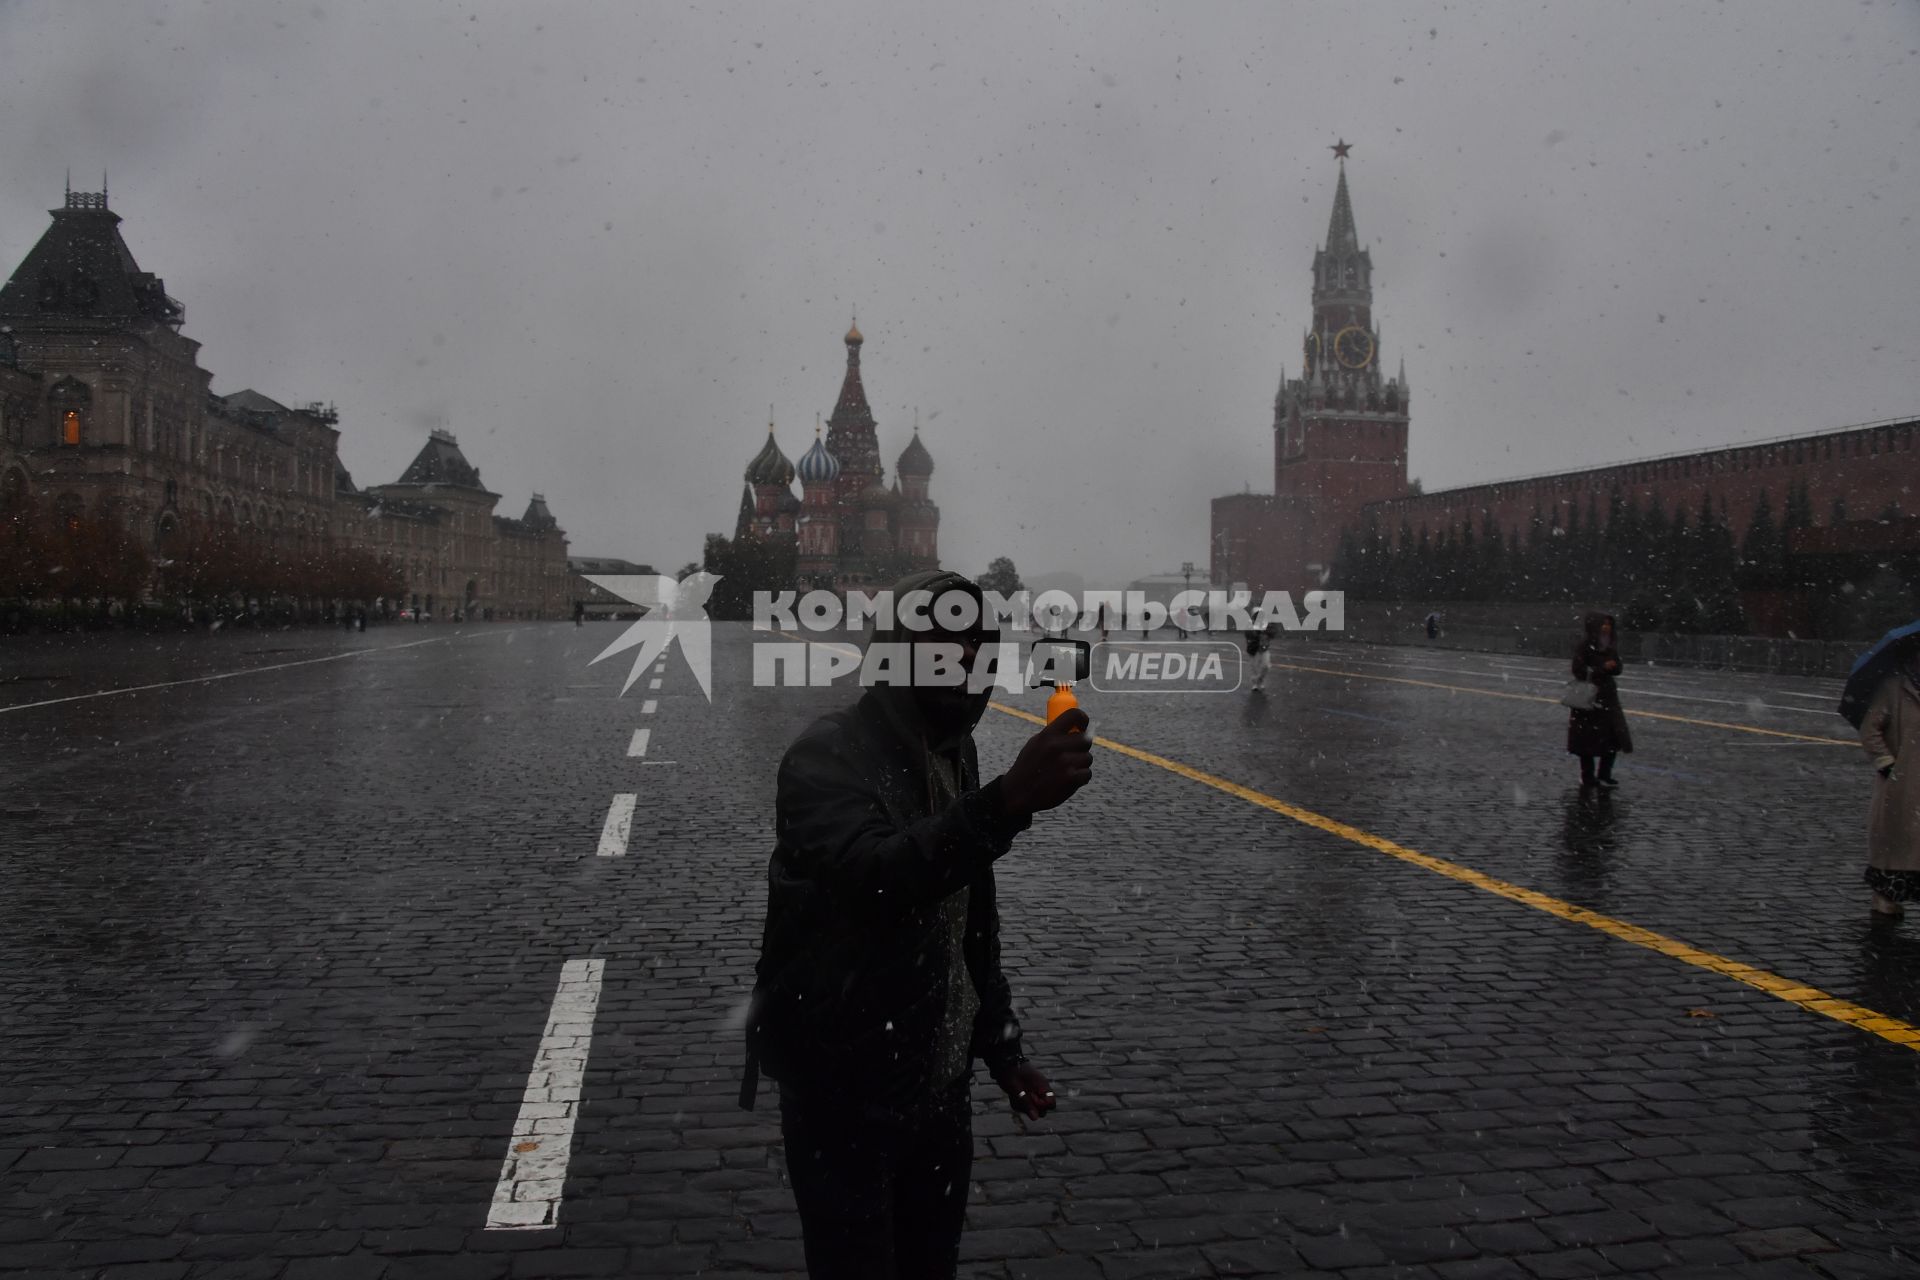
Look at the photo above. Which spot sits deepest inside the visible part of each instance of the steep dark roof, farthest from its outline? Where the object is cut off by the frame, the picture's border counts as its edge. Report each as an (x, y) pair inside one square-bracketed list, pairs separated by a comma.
[(441, 462), (82, 270), (537, 516), (743, 521)]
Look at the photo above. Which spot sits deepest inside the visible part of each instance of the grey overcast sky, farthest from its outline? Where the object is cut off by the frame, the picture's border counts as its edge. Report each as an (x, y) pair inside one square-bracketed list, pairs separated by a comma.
[(596, 241)]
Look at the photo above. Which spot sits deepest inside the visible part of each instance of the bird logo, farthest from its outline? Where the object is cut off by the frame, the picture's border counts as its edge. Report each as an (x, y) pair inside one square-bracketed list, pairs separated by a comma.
[(673, 609)]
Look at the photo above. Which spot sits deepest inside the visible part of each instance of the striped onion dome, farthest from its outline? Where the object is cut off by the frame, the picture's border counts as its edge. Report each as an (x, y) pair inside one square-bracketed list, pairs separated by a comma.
[(817, 466)]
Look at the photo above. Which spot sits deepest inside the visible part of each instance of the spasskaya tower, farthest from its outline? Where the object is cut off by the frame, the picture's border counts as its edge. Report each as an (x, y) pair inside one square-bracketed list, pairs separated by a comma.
[(1339, 429)]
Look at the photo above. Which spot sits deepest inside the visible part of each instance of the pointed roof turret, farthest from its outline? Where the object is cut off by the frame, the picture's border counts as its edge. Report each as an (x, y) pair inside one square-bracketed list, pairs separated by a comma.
[(82, 270), (441, 462), (537, 514), (743, 521)]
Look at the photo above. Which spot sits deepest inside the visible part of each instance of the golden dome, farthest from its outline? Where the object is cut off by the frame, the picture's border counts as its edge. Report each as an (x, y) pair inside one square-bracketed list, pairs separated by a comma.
[(853, 336)]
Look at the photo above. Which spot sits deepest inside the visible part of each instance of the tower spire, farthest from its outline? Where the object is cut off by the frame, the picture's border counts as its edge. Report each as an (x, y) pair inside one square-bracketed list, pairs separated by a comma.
[(850, 427), (1341, 236)]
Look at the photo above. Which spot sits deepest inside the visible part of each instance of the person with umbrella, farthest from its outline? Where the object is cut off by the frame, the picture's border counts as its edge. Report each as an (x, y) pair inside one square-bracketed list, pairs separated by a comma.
[(1598, 732), (1882, 700)]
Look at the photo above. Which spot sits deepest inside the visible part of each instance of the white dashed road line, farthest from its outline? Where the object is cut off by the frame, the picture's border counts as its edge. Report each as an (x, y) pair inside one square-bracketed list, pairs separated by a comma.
[(527, 1197), (619, 825), (638, 747), (648, 707)]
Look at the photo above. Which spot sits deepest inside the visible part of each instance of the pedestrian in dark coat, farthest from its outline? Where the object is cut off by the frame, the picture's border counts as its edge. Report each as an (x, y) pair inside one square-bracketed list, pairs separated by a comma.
[(1599, 734), (879, 978), (1891, 734)]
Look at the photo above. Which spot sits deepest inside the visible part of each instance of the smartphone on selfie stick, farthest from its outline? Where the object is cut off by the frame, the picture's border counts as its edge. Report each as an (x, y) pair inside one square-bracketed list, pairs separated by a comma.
[(1059, 664)]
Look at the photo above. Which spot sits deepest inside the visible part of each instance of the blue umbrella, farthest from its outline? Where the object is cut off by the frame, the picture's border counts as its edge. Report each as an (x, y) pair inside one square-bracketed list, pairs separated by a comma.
[(1873, 666)]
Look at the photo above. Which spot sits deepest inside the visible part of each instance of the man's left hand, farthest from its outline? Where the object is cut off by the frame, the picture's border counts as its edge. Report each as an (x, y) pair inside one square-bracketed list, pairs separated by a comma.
[(1027, 1090)]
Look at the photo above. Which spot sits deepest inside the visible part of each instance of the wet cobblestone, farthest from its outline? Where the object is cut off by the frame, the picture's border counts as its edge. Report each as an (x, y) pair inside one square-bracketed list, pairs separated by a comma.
[(277, 951)]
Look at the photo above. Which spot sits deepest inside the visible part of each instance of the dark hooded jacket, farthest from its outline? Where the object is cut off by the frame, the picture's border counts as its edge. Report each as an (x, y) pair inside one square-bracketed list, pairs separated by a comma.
[(1604, 728), (856, 969)]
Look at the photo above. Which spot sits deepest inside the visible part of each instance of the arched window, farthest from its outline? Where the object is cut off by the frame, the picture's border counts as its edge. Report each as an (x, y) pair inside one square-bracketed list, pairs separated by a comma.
[(70, 427)]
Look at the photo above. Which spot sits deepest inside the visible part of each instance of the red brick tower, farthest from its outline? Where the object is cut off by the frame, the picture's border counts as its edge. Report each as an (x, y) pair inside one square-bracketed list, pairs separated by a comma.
[(1340, 430), (852, 439)]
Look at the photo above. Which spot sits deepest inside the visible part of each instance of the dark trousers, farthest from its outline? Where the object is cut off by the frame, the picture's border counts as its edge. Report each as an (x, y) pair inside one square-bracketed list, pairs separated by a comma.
[(1606, 766), (881, 1197)]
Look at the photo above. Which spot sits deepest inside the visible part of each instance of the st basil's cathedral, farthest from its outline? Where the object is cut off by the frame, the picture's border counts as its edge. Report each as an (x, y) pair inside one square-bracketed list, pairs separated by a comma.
[(851, 529)]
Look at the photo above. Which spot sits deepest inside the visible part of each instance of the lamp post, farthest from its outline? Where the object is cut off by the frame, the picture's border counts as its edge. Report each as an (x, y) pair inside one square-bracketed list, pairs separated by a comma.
[(1186, 574)]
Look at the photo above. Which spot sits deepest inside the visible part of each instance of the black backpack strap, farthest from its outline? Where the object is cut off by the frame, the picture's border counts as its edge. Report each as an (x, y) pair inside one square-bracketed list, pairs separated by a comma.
[(750, 1081)]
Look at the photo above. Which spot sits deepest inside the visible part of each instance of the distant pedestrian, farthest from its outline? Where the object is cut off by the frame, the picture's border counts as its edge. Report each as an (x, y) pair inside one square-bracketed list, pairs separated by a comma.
[(1433, 626), (1600, 733), (1891, 734), (1260, 646)]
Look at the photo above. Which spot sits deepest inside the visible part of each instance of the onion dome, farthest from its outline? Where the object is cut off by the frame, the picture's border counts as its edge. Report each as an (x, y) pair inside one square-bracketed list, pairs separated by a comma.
[(878, 495), (770, 466), (817, 466), (853, 335), (914, 459)]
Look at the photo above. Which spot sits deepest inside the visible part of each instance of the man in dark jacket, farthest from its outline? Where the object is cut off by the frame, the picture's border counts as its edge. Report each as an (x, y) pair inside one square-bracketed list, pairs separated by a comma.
[(879, 975)]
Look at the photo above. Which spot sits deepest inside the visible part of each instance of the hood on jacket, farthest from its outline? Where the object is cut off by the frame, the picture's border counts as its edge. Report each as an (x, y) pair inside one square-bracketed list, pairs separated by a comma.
[(1594, 621), (941, 718)]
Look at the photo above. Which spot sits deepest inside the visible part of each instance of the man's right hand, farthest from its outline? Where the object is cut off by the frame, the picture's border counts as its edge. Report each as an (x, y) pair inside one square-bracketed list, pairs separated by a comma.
[(1055, 763)]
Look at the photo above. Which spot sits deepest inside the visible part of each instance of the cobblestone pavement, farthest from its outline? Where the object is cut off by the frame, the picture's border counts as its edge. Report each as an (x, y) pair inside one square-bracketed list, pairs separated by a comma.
[(279, 952)]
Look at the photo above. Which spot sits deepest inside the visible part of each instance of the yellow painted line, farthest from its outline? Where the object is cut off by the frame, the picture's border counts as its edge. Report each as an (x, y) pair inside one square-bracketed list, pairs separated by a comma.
[(1534, 697), (1809, 998)]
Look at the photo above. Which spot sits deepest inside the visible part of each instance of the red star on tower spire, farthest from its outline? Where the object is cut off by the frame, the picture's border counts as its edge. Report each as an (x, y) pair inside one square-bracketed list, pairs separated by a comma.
[(1340, 149)]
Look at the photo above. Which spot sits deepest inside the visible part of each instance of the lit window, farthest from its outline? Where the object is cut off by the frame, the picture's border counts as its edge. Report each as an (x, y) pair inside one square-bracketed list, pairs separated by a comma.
[(70, 427)]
